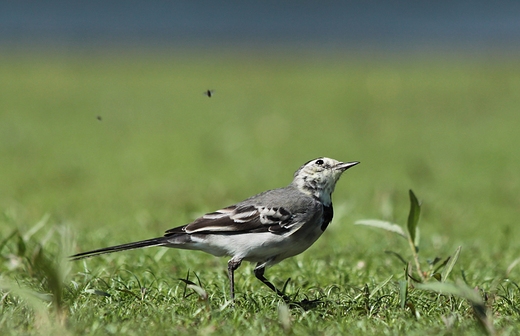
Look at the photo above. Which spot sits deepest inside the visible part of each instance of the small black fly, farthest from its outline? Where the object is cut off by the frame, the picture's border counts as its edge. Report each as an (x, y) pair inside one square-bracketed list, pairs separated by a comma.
[(209, 93)]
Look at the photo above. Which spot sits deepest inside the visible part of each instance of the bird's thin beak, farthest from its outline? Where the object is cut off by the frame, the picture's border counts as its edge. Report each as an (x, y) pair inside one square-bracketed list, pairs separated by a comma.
[(345, 165)]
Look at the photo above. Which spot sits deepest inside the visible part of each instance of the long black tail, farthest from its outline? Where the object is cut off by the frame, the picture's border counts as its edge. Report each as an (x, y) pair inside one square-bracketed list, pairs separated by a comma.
[(130, 246)]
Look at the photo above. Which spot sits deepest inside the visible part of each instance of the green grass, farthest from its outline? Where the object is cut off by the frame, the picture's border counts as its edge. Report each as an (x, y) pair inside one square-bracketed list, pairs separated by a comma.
[(163, 153)]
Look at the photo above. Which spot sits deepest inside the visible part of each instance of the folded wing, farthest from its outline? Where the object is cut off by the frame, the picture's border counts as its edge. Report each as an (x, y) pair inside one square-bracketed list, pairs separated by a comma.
[(240, 219)]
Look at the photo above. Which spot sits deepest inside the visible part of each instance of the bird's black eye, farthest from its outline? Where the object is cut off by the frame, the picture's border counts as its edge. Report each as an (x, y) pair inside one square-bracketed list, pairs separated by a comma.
[(319, 162)]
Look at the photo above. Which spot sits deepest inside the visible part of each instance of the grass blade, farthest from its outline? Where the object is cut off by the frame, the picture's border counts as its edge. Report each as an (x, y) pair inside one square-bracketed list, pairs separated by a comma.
[(381, 285), (441, 265), (49, 268), (413, 216), (449, 266), (460, 289), (36, 227), (403, 293), (6, 239), (511, 266), (197, 289), (398, 256), (382, 225)]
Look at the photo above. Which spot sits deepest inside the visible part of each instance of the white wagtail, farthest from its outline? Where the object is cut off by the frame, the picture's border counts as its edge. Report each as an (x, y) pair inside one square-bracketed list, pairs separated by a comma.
[(266, 228)]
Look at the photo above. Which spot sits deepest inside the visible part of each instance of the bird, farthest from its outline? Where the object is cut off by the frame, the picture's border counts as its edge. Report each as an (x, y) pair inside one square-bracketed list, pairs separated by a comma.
[(264, 229)]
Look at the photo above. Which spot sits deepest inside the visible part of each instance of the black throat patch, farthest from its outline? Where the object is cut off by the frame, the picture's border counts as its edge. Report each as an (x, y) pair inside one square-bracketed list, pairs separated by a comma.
[(328, 213)]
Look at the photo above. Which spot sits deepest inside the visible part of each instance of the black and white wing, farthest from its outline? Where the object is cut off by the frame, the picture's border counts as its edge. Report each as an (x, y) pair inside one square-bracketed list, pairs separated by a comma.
[(240, 219)]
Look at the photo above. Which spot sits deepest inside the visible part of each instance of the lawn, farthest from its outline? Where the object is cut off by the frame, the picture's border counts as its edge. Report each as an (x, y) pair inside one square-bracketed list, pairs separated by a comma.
[(110, 146)]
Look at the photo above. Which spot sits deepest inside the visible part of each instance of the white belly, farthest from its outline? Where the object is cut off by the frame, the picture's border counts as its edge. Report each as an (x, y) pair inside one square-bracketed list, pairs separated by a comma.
[(255, 247)]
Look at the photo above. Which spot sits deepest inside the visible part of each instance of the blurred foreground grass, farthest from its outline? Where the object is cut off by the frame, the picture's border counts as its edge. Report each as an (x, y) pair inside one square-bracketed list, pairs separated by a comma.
[(163, 153)]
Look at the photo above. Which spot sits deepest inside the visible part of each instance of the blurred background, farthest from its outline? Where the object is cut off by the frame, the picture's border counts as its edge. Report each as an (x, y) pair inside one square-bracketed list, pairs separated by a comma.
[(104, 123), (353, 25)]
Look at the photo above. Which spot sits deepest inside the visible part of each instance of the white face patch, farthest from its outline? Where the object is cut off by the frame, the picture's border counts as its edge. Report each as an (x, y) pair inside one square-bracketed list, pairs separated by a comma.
[(318, 178)]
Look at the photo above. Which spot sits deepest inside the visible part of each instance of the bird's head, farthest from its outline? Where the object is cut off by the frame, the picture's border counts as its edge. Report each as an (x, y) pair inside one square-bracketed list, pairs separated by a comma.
[(318, 177)]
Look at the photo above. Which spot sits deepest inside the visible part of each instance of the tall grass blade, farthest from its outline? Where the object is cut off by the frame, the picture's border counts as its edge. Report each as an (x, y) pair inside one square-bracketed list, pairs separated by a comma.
[(413, 216), (51, 273), (449, 265), (511, 266), (41, 223), (441, 265), (403, 293)]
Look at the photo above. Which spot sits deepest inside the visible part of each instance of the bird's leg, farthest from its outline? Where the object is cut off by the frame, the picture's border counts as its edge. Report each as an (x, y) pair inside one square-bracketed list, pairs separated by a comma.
[(232, 266), (259, 273)]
